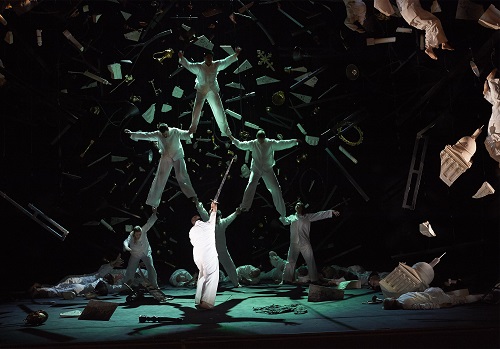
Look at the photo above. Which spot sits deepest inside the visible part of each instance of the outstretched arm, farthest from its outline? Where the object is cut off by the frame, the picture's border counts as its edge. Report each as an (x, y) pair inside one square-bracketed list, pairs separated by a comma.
[(226, 62), (192, 67), (321, 215), (284, 144), (142, 136)]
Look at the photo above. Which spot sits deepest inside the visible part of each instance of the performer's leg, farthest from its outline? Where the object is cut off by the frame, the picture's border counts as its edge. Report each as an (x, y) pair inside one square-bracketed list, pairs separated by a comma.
[(249, 193), (152, 277), (293, 255), (198, 106), (182, 176), (274, 188), (225, 259), (211, 274), (307, 253), (133, 263), (218, 111), (159, 182), (201, 276)]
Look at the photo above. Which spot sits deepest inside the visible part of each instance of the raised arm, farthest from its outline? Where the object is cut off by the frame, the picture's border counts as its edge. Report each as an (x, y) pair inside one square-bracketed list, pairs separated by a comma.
[(192, 67), (226, 62), (229, 219), (284, 144), (321, 215), (143, 136), (201, 210), (151, 221)]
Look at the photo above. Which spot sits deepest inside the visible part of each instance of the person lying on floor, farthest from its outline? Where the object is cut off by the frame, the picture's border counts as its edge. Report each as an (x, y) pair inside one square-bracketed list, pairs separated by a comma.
[(355, 272), (431, 298), (183, 278)]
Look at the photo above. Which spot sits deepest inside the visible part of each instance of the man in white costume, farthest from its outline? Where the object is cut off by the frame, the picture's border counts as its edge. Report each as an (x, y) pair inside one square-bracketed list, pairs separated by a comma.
[(416, 16), (221, 225), (207, 87), (276, 273), (169, 144), (491, 93), (182, 278), (262, 167), (431, 298), (300, 226), (202, 237), (248, 275), (81, 284), (137, 244)]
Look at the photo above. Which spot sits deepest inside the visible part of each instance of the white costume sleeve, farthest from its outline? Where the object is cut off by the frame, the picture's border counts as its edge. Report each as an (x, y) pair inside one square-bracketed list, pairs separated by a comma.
[(151, 221), (224, 223), (192, 67), (104, 269), (319, 215), (246, 145), (283, 144), (493, 93), (202, 212), (226, 62), (145, 136), (184, 134)]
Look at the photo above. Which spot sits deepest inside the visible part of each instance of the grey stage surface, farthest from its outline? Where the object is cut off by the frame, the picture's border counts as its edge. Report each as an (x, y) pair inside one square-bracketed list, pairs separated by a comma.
[(235, 323)]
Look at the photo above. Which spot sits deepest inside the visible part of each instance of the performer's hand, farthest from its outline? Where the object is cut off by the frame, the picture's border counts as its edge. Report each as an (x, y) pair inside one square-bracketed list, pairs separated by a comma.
[(180, 54), (336, 213), (237, 50), (192, 129), (213, 206), (231, 137), (118, 262), (238, 210), (128, 249), (127, 131)]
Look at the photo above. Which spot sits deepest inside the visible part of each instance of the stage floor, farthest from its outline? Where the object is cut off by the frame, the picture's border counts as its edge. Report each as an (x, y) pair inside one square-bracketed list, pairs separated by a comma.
[(235, 323)]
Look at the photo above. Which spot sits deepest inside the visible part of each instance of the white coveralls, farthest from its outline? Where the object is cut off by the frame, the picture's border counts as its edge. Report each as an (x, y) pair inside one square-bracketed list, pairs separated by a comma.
[(220, 242), (300, 226), (141, 250), (245, 275), (492, 141), (207, 88), (416, 16), (82, 283), (172, 155), (431, 298), (185, 276), (202, 236), (276, 273), (262, 166)]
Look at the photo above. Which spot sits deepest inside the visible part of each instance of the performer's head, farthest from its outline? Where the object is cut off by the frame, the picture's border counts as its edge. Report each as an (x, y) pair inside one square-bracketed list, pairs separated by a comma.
[(299, 207), (194, 219), (163, 128), (208, 57), (374, 280), (261, 136), (137, 232)]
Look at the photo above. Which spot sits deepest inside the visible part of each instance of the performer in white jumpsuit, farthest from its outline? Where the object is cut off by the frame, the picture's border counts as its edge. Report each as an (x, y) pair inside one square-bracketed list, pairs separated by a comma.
[(431, 298), (202, 236), (262, 166), (172, 155), (137, 244), (491, 93), (300, 226), (182, 278), (416, 16), (207, 87), (220, 240)]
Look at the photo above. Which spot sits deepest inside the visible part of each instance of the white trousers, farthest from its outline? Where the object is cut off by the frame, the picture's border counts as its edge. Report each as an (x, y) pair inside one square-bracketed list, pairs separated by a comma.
[(225, 258), (133, 263), (215, 102), (293, 255), (163, 172), (272, 185), (208, 275), (421, 19)]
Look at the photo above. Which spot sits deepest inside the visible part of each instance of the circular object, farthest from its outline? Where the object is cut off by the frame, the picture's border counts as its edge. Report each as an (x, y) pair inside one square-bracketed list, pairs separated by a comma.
[(356, 127), (352, 72)]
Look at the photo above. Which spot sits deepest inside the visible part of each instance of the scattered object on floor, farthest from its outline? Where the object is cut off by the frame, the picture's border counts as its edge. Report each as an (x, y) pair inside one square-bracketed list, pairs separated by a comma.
[(278, 309), (321, 293), (98, 310), (36, 318), (71, 313)]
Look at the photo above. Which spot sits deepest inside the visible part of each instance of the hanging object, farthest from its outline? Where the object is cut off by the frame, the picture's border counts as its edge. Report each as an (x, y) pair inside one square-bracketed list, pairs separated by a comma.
[(278, 98), (352, 72), (341, 129), (486, 189)]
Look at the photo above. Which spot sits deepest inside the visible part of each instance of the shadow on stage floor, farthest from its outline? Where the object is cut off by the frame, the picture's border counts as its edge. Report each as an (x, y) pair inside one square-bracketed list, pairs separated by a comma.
[(243, 318)]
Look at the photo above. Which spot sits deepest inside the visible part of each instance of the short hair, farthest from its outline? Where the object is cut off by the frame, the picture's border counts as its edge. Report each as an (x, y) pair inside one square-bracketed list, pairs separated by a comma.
[(261, 134), (194, 219), (206, 53), (136, 228), (162, 127)]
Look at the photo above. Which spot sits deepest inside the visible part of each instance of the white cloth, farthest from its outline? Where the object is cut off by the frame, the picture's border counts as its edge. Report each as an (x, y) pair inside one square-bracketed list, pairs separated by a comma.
[(416, 16), (202, 237), (276, 273), (172, 155), (220, 242), (431, 298), (245, 275), (262, 167), (207, 88), (185, 277), (141, 250), (492, 141), (300, 227)]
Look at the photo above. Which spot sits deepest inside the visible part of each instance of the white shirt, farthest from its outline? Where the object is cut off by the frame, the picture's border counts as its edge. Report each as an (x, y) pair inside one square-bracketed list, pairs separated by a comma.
[(263, 154), (300, 225), (206, 75), (168, 146), (141, 247), (202, 236)]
